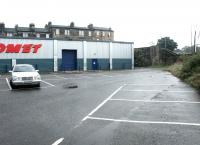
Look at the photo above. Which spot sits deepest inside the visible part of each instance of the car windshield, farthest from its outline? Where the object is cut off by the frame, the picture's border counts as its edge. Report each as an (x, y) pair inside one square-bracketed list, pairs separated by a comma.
[(24, 68)]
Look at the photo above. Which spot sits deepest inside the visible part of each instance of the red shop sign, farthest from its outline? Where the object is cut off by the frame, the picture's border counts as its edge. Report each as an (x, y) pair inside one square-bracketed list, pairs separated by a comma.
[(17, 48)]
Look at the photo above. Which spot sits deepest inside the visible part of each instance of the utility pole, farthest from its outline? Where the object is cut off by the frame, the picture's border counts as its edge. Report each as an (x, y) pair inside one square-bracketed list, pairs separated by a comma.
[(191, 37), (195, 41)]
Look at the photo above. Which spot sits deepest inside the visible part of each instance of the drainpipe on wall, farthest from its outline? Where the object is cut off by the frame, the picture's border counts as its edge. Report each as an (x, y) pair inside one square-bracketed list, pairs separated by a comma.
[(132, 54), (13, 62), (84, 46), (110, 54), (55, 55)]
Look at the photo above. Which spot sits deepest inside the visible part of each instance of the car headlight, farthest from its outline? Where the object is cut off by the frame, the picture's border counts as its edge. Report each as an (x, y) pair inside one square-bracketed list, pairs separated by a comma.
[(37, 77), (15, 78)]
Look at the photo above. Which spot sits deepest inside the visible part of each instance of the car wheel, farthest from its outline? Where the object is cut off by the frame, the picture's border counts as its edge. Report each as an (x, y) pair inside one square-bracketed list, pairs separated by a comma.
[(12, 85), (38, 85)]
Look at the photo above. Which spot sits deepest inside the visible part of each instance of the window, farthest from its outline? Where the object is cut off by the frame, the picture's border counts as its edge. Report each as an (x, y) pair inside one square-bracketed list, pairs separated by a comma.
[(25, 34), (47, 35), (108, 34), (103, 34), (9, 34), (57, 31), (24, 68), (97, 33), (81, 33), (38, 35), (89, 33), (67, 32)]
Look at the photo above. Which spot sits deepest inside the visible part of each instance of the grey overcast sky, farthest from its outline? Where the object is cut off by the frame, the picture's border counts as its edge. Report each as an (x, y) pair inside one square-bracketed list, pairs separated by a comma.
[(138, 21)]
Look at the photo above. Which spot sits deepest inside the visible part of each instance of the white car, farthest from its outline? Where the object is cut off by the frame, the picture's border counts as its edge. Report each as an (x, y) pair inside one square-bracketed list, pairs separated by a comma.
[(24, 74)]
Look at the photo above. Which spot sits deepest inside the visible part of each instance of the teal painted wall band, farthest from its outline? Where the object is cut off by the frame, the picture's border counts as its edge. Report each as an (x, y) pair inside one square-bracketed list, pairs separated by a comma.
[(40, 64), (48, 64), (5, 65), (119, 64), (102, 64)]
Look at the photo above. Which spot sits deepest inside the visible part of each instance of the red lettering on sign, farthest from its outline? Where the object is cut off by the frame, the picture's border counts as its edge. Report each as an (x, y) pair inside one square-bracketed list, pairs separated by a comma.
[(26, 48), (36, 47), (13, 49), (2, 47)]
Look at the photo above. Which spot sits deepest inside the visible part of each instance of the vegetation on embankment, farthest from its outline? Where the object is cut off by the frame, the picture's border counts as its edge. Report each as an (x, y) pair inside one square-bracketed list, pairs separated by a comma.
[(187, 69)]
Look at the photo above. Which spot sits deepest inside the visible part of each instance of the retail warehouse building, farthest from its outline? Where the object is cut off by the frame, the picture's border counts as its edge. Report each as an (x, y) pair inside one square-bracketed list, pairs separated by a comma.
[(90, 48)]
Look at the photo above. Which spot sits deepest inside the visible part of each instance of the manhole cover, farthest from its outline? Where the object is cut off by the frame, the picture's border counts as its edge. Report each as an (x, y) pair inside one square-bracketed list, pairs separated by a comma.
[(71, 85)]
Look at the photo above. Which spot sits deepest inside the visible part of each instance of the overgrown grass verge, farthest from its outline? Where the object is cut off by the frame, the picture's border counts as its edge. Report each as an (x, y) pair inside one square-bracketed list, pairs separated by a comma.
[(188, 70), (175, 69)]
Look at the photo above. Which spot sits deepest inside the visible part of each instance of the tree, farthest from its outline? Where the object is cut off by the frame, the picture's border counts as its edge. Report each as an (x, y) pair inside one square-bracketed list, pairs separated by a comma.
[(190, 49), (167, 43)]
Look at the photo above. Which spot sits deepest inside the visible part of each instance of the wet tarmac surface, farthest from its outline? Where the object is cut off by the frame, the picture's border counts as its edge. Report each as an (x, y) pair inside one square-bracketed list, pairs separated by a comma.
[(139, 107)]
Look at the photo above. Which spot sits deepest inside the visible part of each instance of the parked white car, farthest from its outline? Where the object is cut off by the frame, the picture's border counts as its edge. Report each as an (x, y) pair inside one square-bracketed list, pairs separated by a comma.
[(24, 74)]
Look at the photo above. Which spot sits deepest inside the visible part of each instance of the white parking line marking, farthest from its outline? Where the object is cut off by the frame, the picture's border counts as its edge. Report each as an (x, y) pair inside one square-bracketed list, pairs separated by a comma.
[(10, 88), (48, 83), (144, 122), (153, 85), (100, 105), (151, 101), (45, 87), (51, 79), (58, 141), (60, 77), (127, 90), (102, 75), (106, 75)]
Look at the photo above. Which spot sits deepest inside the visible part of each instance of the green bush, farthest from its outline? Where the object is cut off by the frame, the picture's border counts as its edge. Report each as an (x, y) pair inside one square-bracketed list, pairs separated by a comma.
[(184, 58), (192, 65), (194, 80), (188, 69), (175, 69)]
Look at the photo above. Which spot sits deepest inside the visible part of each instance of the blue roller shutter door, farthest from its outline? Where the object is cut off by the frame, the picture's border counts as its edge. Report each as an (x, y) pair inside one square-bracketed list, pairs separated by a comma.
[(69, 60)]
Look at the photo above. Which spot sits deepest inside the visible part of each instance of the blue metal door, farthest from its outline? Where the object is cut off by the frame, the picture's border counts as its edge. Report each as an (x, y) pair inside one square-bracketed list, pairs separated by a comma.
[(69, 60), (94, 64)]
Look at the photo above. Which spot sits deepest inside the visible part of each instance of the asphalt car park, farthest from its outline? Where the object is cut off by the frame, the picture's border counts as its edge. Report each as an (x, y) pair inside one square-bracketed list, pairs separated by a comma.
[(3, 84), (132, 107)]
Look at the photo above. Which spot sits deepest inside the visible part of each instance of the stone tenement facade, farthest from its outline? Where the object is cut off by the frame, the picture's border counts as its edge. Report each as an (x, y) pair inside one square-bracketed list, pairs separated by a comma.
[(50, 31)]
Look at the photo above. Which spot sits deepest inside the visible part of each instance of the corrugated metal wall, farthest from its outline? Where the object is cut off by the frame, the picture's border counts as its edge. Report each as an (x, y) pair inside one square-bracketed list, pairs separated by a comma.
[(94, 49), (70, 45), (98, 50), (121, 50), (42, 60), (46, 51), (109, 55)]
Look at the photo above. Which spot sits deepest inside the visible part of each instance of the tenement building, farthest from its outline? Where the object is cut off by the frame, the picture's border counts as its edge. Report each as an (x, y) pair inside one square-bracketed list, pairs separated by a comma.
[(50, 31)]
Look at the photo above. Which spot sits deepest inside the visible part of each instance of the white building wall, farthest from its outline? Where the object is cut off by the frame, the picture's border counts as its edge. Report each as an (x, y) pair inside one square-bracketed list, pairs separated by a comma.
[(94, 49), (98, 50), (122, 50), (52, 49), (70, 45), (46, 51)]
